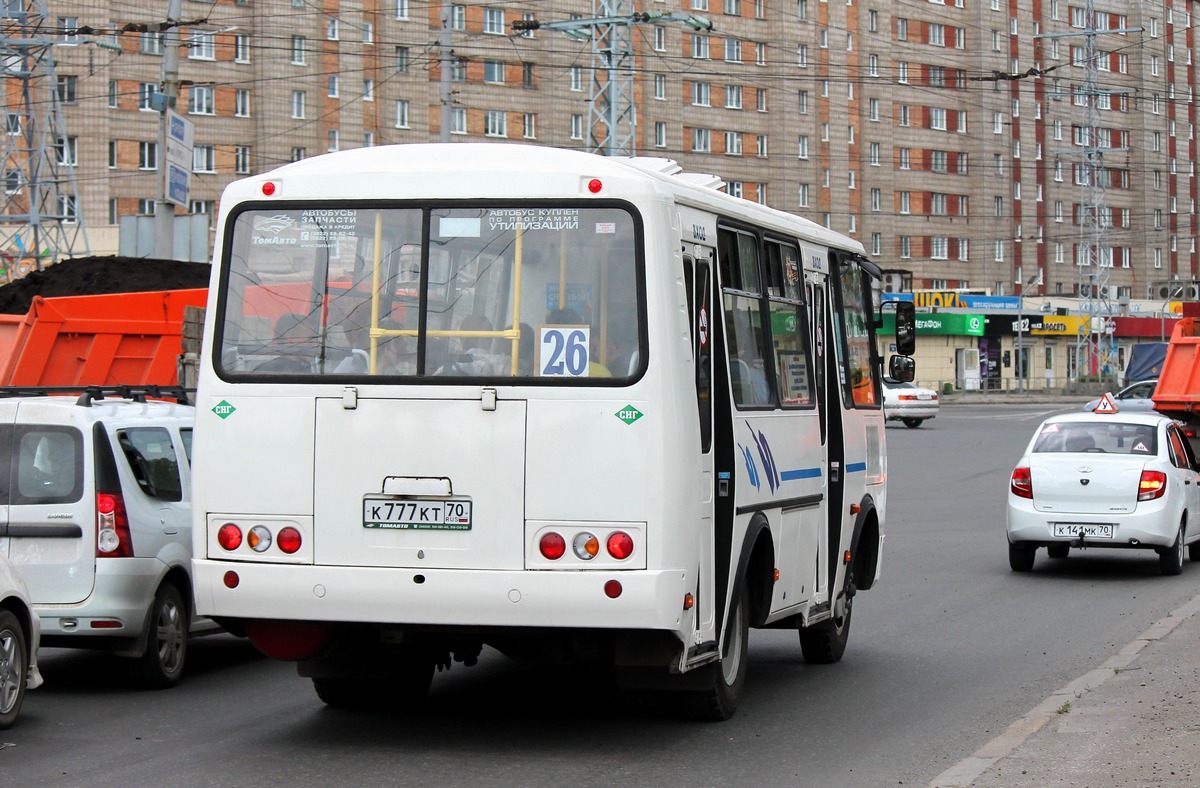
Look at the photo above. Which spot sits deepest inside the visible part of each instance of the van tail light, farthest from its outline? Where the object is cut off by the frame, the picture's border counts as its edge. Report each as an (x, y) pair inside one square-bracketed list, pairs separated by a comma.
[(1152, 485), (113, 539), (1021, 484)]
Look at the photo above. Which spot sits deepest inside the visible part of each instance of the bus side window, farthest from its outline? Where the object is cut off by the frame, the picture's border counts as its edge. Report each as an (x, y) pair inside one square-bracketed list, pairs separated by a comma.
[(745, 335)]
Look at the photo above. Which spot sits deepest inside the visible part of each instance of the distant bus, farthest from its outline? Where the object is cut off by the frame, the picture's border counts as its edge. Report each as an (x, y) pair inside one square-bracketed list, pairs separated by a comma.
[(561, 405)]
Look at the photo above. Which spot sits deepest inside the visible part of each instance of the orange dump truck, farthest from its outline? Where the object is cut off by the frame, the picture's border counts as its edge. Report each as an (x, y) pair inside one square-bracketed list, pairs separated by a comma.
[(121, 338)]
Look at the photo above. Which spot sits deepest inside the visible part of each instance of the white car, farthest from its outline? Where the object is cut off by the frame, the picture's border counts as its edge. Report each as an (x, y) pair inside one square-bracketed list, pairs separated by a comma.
[(20, 633), (97, 494), (1118, 480), (909, 403), (1135, 396)]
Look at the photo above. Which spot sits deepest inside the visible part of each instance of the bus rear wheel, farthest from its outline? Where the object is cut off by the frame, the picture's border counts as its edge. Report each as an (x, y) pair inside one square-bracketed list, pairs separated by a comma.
[(726, 678), (825, 643), (409, 686)]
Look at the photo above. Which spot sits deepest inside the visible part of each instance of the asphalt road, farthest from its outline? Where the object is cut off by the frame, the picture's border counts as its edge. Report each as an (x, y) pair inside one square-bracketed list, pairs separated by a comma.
[(948, 650)]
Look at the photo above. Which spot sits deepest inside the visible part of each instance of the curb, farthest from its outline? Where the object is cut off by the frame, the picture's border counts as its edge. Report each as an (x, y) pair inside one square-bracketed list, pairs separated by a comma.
[(963, 773)]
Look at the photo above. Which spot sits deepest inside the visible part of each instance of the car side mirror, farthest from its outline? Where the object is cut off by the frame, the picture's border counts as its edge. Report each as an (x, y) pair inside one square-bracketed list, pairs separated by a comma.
[(906, 328), (902, 368)]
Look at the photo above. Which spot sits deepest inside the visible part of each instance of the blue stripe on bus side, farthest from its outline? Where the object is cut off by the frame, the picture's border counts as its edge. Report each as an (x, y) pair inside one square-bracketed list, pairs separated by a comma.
[(856, 467), (800, 473)]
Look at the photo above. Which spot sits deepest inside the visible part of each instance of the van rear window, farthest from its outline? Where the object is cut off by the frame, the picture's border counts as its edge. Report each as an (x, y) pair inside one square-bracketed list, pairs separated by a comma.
[(47, 465), (151, 456)]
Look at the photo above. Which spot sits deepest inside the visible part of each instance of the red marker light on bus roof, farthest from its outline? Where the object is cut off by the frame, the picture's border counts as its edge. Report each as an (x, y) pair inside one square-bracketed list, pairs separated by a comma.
[(594, 185), (268, 188)]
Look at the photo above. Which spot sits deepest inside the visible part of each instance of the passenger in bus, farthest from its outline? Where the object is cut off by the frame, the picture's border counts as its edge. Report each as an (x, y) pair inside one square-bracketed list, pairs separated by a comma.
[(477, 358)]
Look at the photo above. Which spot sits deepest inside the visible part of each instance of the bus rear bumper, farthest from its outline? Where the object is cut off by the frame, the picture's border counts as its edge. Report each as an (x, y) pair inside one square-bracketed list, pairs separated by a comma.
[(376, 595)]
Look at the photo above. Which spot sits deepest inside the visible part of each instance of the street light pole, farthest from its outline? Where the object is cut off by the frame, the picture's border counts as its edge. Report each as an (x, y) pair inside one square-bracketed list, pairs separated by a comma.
[(164, 209)]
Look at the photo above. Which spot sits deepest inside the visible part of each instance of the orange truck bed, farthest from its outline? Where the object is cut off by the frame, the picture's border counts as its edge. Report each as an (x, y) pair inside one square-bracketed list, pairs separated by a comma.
[(1178, 387), (122, 338)]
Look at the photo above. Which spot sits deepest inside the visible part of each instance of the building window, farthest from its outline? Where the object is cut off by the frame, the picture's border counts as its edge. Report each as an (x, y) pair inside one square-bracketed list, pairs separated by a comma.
[(760, 146), (700, 47), (298, 50), (241, 48), (529, 126), (660, 38), (333, 140), (496, 123), (297, 154), (803, 146), (733, 50), (332, 86), (733, 97), (701, 140), (241, 159), (700, 93), (331, 28), (298, 104), (575, 77), (368, 90), (368, 37), (660, 87), (458, 17), (112, 154), (937, 118), (733, 143), (493, 72), (458, 121), (66, 89), (660, 134), (68, 152), (150, 43), (146, 93), (576, 127), (147, 155), (146, 207), (803, 195), (402, 114), (905, 247), (401, 59), (493, 21), (201, 100), (204, 158), (202, 46)]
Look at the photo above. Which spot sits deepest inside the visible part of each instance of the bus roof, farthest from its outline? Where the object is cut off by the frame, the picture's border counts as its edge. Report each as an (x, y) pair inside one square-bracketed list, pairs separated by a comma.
[(487, 170)]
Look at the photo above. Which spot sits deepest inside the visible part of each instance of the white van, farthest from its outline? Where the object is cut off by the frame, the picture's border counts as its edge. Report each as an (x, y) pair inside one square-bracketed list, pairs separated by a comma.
[(95, 512)]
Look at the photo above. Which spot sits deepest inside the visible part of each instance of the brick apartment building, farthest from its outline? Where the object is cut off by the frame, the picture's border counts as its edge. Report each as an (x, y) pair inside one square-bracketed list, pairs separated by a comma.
[(948, 136)]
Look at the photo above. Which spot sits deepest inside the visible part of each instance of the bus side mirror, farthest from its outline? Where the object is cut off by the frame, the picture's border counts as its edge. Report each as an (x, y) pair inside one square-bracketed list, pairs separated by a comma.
[(902, 368), (906, 328)]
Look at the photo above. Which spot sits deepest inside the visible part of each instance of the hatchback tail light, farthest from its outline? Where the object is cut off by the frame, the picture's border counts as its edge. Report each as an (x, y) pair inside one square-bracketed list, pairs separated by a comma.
[(1152, 485), (1021, 483), (113, 539)]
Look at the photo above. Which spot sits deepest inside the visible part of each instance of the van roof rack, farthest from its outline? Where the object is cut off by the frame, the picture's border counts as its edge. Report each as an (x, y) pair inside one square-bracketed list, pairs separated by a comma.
[(90, 394)]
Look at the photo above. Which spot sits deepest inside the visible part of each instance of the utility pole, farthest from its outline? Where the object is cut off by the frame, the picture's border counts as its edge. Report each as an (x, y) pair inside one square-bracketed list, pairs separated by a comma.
[(164, 210), (445, 62), (41, 220), (613, 114)]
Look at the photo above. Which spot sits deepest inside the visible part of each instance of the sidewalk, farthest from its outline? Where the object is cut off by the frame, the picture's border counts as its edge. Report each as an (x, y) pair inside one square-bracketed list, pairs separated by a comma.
[(1133, 721)]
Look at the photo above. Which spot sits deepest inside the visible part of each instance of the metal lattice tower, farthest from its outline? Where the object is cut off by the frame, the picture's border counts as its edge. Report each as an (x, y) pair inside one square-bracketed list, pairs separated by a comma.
[(1094, 257), (40, 217), (612, 119)]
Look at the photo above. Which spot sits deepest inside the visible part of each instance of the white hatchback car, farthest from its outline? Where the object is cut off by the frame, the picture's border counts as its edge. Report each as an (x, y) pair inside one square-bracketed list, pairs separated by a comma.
[(1123, 480), (909, 403), (95, 512), (19, 637)]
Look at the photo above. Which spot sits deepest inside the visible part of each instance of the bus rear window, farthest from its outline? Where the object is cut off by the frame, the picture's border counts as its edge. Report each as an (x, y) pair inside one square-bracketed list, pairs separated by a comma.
[(459, 292)]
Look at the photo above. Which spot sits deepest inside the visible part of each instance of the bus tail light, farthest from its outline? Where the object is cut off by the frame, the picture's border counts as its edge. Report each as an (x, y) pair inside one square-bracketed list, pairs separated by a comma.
[(1021, 484), (288, 540), (1153, 484), (552, 546), (620, 545), (612, 589), (113, 539), (229, 536), (585, 545), (259, 538)]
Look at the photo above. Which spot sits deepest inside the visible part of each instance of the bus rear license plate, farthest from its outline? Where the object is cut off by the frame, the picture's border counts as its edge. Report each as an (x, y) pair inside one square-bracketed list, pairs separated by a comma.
[(1087, 530), (417, 514)]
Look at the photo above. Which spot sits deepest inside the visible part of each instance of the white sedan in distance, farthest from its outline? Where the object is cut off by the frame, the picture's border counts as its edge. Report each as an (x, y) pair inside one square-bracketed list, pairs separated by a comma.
[(908, 403), (1115, 479)]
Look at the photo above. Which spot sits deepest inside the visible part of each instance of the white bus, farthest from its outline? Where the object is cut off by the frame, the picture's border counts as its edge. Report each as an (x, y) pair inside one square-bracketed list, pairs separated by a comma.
[(561, 405)]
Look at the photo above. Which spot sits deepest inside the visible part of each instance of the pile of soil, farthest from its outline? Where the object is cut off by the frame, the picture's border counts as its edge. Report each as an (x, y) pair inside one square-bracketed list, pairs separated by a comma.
[(100, 276)]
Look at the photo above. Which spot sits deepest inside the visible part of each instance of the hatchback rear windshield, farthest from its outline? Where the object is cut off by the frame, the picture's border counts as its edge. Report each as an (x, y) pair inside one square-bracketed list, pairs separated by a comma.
[(1105, 438), (41, 465)]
